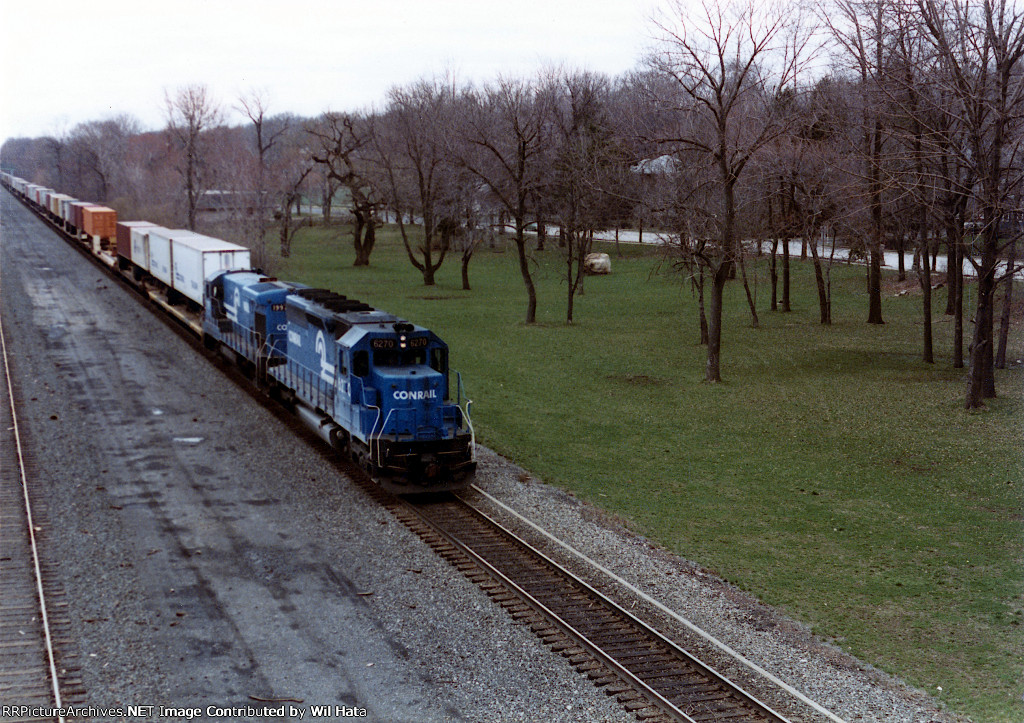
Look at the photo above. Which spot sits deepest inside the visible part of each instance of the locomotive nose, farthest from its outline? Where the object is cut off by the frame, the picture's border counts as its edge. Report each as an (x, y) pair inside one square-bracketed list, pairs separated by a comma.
[(412, 403), (419, 388)]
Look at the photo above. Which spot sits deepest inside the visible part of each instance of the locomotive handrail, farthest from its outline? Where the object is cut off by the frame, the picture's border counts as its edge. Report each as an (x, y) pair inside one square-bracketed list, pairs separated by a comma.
[(271, 348), (369, 441), (383, 426), (466, 416)]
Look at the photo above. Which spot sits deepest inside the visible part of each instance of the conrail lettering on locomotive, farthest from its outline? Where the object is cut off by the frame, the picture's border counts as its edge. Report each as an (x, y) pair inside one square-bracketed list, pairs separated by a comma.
[(403, 396)]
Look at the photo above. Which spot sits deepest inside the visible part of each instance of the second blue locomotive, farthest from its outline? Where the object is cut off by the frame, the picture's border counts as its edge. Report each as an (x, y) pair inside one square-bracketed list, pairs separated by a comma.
[(369, 383)]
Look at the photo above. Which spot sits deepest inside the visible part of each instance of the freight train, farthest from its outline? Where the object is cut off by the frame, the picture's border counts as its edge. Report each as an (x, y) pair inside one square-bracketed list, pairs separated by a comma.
[(374, 386)]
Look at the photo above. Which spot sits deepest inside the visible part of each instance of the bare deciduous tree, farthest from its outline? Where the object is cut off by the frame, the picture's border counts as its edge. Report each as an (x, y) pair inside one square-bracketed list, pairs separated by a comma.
[(505, 130), (582, 157), (342, 142), (859, 28), (191, 112), (265, 136), (979, 49), (413, 147), (99, 150), (728, 65)]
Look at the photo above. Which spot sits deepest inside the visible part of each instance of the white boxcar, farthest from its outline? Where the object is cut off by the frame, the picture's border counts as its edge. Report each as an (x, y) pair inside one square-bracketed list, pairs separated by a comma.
[(196, 257), (65, 209), (159, 252), (55, 201), (140, 245)]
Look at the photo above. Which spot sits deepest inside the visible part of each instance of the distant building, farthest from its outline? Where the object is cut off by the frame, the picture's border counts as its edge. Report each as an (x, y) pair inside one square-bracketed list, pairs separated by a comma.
[(660, 166)]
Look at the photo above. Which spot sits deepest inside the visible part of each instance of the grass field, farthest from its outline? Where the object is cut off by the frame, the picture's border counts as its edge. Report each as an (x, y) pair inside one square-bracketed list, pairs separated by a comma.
[(832, 474)]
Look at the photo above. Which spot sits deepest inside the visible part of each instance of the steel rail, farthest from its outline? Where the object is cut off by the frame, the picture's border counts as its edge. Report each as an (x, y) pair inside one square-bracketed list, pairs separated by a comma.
[(665, 609), (51, 661), (655, 698)]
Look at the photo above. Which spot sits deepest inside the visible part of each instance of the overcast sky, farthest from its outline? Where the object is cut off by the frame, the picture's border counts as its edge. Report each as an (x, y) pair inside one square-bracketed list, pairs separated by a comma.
[(67, 62)]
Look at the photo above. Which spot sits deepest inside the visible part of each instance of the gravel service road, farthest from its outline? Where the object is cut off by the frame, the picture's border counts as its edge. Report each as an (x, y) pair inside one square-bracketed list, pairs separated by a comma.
[(211, 556)]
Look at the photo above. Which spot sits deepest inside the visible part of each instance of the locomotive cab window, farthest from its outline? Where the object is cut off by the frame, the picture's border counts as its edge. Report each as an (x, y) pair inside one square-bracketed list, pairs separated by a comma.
[(361, 363), (439, 360), (399, 358), (439, 363), (260, 327)]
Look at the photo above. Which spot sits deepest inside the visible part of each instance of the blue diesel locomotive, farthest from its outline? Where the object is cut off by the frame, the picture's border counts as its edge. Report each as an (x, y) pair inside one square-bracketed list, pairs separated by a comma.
[(372, 385)]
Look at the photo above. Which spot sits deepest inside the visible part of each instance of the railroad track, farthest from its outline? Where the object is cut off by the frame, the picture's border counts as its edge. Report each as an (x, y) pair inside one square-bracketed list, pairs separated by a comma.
[(35, 671), (648, 674)]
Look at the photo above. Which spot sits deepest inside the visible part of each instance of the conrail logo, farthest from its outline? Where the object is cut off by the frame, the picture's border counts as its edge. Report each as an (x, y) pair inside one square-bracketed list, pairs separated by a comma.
[(326, 370), (403, 396), (232, 309)]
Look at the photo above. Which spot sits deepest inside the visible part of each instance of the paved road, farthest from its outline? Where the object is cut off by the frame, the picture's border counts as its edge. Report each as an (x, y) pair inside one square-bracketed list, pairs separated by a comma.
[(210, 556)]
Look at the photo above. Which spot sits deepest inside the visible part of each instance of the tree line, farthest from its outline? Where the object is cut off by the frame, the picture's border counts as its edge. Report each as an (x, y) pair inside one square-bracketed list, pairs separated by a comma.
[(861, 125)]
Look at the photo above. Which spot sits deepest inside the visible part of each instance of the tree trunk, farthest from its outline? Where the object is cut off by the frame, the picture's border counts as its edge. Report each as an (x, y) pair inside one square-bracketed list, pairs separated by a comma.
[(980, 380), (925, 279), (923, 247), (958, 310), (785, 275), (325, 204), (365, 227), (713, 371), (700, 307), (428, 251), (901, 265), (773, 268), (754, 322), (569, 304), (955, 293), (824, 297), (524, 270), (1004, 322), (465, 272), (429, 267), (875, 283), (951, 277), (875, 253), (285, 236), (357, 236)]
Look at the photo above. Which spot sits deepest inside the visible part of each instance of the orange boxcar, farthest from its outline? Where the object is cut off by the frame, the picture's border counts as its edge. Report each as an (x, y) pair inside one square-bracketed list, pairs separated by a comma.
[(99, 221)]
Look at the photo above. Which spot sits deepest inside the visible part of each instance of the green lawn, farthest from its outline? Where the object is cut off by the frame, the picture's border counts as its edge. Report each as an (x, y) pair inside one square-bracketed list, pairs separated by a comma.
[(832, 474)]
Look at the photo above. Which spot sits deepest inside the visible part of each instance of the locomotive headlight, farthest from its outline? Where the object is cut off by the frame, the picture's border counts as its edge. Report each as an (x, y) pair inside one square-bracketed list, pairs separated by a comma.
[(402, 342)]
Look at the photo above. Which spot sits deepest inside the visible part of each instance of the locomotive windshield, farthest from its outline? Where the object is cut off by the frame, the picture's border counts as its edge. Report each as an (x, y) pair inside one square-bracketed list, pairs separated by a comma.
[(399, 357)]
